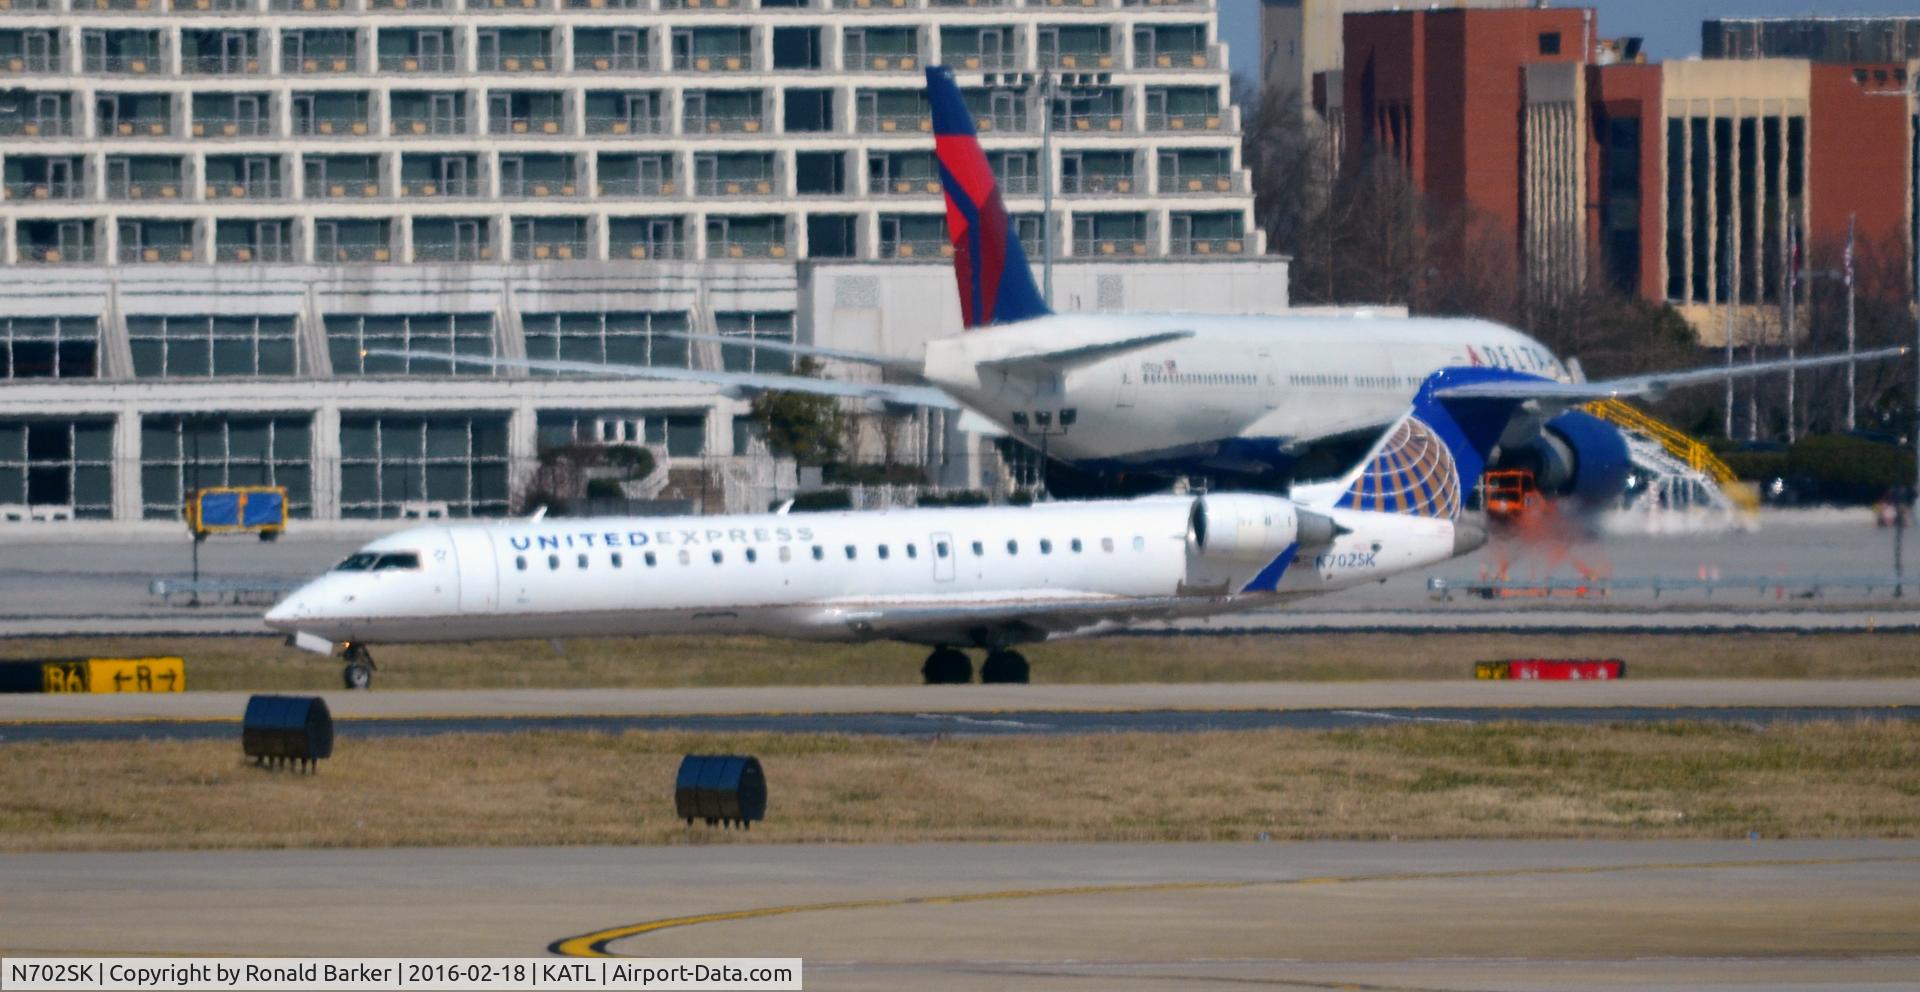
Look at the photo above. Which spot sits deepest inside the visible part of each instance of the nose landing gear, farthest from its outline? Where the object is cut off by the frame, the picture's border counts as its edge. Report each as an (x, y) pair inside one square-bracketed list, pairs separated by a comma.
[(359, 671)]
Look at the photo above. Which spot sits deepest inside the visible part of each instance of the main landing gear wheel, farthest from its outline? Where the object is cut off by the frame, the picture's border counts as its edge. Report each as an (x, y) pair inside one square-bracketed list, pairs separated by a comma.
[(359, 671), (1004, 666), (945, 666)]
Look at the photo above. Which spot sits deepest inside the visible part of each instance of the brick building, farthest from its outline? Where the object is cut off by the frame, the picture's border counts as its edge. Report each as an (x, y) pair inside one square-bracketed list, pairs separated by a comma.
[(1684, 182)]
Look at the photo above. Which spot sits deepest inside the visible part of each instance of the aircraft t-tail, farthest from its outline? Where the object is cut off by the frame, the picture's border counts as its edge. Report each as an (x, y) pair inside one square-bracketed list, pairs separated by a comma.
[(988, 579), (1254, 400)]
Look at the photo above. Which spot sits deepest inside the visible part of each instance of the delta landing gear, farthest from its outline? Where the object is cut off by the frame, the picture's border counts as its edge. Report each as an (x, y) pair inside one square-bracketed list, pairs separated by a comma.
[(359, 671), (947, 666), (1004, 666)]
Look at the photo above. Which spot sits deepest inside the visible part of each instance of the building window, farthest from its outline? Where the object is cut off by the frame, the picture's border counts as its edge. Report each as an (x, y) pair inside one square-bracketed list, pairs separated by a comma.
[(1549, 42), (1013, 547), (752, 556), (553, 563), (883, 552), (684, 435), (211, 347), (350, 336), (749, 329), (717, 558), (652, 560), (65, 465), (619, 338), (49, 347), (181, 453), (394, 465)]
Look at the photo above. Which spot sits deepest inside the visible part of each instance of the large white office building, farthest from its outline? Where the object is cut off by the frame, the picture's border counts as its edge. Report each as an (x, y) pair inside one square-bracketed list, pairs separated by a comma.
[(214, 207)]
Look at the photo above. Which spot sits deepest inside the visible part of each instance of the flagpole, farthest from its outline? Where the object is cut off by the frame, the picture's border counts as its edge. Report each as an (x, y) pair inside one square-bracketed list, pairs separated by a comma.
[(1851, 219), (1793, 286), (1726, 236)]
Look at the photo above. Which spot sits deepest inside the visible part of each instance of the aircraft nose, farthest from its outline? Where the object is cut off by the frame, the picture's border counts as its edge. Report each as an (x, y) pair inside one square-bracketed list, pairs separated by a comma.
[(287, 612)]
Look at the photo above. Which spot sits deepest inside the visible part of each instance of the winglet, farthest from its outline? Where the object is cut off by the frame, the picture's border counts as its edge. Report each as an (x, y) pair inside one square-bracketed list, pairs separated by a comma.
[(996, 284)]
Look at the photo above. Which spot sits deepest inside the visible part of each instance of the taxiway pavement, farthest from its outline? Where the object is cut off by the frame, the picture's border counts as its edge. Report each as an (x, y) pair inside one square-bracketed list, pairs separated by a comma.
[(1464, 693), (1407, 916)]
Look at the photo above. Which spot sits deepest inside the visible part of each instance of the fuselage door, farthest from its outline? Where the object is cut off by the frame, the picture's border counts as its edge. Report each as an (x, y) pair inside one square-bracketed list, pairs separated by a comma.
[(943, 555), (479, 575)]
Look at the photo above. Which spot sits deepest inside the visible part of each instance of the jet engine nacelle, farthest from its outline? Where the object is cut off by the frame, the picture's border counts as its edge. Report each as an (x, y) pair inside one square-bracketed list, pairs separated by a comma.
[(1242, 526), (1575, 455)]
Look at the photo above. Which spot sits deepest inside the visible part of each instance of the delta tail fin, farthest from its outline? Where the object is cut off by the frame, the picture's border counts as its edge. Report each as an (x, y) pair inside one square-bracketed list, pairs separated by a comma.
[(996, 284), (1428, 463)]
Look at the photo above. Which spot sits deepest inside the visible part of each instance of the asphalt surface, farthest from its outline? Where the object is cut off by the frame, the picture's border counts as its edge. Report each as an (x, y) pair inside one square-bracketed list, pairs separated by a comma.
[(999, 700), (1708, 915), (981, 724)]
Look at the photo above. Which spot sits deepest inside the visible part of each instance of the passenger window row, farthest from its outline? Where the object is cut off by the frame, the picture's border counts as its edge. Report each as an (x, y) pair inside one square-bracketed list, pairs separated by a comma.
[(941, 550)]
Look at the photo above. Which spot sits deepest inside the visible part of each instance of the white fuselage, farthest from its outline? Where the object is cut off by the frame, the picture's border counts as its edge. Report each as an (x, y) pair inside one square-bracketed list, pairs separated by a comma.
[(1277, 380), (937, 576)]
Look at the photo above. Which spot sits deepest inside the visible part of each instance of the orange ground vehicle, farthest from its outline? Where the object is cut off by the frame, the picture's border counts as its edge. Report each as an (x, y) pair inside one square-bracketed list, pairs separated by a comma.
[(1510, 494)]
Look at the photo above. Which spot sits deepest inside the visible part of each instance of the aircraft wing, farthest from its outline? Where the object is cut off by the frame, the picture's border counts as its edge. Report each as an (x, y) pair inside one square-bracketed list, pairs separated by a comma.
[(749, 382), (1572, 393), (906, 366), (1064, 358), (967, 621)]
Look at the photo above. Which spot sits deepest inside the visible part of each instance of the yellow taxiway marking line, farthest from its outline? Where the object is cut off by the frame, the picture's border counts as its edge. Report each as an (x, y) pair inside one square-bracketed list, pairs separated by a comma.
[(594, 944)]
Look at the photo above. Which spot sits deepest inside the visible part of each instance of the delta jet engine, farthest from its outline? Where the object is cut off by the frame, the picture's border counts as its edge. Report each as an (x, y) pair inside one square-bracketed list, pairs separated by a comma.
[(1576, 456)]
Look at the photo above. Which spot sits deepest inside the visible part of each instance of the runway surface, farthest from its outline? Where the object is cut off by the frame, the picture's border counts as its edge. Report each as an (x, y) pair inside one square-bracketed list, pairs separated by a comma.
[(966, 724), (1464, 693), (1413, 916)]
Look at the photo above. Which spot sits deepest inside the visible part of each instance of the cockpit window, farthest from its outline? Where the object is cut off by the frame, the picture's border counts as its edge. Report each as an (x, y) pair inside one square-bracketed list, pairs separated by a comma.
[(357, 563), (397, 560)]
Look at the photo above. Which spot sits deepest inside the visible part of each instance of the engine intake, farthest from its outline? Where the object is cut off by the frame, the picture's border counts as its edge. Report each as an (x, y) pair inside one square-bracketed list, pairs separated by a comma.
[(1576, 455)]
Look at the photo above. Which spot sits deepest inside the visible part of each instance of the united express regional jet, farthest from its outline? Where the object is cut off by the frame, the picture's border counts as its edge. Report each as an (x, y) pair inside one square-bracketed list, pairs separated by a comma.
[(952, 579)]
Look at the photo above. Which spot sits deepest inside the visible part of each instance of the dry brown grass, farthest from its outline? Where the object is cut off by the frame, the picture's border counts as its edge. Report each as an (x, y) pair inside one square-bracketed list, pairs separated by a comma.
[(1497, 781), (263, 663)]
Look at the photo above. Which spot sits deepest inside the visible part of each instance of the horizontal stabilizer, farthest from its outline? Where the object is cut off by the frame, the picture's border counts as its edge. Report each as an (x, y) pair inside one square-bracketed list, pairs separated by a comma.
[(888, 362), (745, 382)]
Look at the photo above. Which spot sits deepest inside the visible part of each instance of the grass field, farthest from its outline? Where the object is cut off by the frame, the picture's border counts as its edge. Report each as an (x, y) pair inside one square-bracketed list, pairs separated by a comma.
[(263, 663), (1438, 781)]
